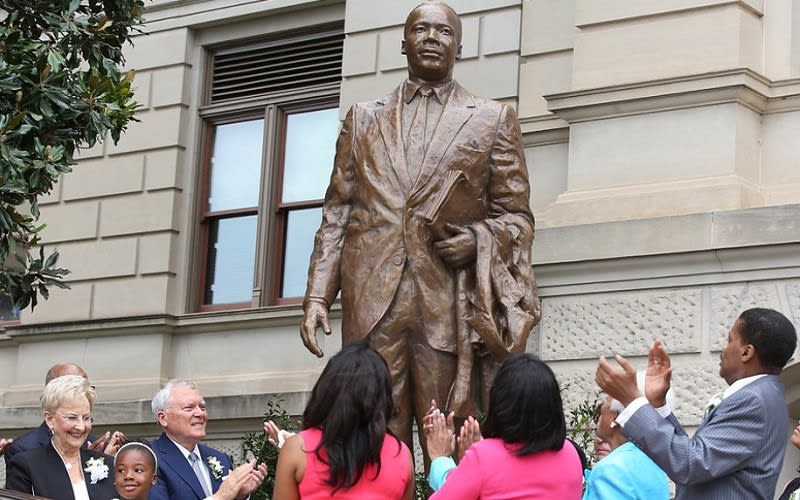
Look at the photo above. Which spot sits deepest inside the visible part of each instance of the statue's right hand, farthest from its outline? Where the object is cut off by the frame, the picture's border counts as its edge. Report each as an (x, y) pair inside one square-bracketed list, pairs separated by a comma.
[(315, 315)]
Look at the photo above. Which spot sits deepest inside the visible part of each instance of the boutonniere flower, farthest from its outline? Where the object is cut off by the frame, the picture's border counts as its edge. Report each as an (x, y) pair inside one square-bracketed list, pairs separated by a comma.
[(215, 466), (97, 469)]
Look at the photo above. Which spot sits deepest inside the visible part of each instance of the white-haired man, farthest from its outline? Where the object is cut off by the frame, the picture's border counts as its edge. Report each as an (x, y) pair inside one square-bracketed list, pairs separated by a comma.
[(187, 469)]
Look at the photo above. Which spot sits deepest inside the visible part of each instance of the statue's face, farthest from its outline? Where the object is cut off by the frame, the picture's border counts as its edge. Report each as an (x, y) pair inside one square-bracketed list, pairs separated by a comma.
[(432, 43)]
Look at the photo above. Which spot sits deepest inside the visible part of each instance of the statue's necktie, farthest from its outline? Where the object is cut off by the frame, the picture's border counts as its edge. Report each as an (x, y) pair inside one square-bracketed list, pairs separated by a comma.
[(417, 142), (199, 473)]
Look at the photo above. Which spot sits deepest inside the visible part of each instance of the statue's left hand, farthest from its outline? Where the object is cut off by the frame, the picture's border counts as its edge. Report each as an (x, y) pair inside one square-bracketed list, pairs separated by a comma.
[(315, 315), (458, 250)]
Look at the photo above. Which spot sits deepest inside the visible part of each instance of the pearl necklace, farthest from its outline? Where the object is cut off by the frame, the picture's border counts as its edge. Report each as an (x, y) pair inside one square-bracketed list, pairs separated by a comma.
[(68, 465)]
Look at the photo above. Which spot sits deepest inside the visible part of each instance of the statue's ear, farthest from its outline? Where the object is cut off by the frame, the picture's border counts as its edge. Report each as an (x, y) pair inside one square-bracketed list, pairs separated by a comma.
[(403, 47), (458, 53)]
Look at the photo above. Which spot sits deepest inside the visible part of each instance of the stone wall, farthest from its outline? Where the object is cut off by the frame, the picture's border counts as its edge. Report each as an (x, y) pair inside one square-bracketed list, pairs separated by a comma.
[(660, 139)]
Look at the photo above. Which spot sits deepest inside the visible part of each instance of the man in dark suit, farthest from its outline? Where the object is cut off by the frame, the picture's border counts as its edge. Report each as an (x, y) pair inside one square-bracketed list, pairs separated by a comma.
[(188, 470), (40, 436), (426, 301), (737, 451)]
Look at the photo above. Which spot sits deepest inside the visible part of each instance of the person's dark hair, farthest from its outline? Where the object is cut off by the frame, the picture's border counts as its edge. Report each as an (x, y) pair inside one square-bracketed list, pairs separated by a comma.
[(771, 334), (137, 443), (352, 403), (525, 407)]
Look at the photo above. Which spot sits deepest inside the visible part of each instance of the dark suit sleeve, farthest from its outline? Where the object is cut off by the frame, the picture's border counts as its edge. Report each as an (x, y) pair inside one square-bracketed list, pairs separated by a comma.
[(11, 452), (18, 476), (226, 462), (324, 274), (723, 445), (159, 490), (34, 438)]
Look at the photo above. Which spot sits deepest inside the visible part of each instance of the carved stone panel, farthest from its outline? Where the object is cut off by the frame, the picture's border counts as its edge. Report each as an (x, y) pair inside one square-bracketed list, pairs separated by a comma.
[(727, 302), (624, 323)]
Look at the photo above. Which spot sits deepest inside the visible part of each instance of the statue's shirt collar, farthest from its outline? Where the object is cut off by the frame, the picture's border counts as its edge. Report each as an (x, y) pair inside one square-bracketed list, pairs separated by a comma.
[(440, 92)]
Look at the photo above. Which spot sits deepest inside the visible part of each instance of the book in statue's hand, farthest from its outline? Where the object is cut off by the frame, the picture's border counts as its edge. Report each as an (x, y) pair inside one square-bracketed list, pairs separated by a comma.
[(457, 202)]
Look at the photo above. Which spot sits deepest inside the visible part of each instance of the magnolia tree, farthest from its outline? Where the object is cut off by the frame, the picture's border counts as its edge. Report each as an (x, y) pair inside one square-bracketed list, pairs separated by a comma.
[(60, 90)]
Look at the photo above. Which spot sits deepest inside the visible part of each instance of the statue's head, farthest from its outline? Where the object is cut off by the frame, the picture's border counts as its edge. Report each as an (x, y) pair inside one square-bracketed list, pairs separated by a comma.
[(432, 42)]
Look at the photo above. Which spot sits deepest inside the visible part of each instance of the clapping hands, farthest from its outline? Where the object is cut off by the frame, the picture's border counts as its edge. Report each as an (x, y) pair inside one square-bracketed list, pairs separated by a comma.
[(275, 435), (108, 443), (241, 481), (440, 436)]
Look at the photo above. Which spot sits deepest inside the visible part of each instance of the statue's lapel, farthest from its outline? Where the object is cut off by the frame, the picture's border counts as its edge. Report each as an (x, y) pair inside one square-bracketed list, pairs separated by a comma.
[(457, 111), (390, 126)]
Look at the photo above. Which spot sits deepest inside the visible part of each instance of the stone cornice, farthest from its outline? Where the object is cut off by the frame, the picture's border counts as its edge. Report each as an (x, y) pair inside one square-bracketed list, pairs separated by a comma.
[(717, 247), (543, 130), (644, 10), (726, 229), (742, 86), (273, 316), (163, 15)]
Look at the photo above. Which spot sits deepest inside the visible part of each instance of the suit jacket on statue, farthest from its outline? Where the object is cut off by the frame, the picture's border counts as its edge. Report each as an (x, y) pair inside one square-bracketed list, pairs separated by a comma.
[(176, 479), (737, 451), (41, 471), (373, 213)]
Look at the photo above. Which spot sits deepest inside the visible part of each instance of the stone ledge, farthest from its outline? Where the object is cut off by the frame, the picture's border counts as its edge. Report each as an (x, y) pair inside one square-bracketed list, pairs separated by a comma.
[(741, 85), (606, 12), (184, 324), (668, 236)]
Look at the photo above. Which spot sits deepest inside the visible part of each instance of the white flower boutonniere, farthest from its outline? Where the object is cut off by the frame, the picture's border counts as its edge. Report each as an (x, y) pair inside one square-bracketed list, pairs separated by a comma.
[(215, 466), (97, 469)]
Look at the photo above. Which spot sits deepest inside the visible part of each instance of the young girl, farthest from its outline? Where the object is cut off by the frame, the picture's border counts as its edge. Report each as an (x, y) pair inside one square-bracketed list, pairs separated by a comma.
[(135, 471)]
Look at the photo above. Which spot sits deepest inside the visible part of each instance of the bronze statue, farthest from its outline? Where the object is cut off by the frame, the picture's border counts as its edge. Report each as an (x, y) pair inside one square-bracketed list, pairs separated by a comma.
[(427, 231)]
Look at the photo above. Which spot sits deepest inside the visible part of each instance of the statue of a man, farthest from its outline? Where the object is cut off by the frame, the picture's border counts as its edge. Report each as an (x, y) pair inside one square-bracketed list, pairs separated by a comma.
[(427, 231)]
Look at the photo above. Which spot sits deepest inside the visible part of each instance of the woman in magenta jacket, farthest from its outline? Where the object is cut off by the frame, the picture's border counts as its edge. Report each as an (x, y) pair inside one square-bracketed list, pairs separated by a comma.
[(524, 453)]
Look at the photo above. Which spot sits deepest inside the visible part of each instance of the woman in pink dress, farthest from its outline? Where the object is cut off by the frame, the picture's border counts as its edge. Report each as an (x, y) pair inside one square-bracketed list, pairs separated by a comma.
[(525, 453), (345, 450)]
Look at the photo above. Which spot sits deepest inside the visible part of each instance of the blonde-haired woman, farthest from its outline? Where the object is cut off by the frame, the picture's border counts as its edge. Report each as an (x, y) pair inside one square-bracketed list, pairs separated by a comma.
[(64, 469)]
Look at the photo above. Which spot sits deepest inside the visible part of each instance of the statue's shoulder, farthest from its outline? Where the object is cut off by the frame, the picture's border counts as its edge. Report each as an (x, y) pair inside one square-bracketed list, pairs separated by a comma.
[(483, 104), (389, 99)]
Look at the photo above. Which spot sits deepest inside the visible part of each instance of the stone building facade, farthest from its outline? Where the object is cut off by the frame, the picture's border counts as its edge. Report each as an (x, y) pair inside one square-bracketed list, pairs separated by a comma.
[(661, 145)]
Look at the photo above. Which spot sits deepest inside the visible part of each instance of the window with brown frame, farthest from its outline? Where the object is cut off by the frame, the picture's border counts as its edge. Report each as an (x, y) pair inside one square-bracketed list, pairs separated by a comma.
[(271, 127)]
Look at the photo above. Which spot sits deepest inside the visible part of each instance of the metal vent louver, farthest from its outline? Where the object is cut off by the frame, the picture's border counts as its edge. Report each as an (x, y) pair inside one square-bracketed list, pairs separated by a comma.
[(281, 65)]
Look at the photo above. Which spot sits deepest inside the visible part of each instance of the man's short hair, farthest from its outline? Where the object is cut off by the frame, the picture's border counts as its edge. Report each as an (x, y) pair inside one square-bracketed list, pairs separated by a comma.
[(458, 27), (161, 399), (771, 334)]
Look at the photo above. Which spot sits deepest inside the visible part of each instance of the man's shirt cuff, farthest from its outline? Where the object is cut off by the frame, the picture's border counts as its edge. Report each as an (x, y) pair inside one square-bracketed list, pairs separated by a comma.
[(637, 403)]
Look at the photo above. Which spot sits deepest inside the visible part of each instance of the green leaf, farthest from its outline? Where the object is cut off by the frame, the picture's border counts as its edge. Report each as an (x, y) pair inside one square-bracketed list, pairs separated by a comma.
[(60, 66), (51, 260), (55, 60)]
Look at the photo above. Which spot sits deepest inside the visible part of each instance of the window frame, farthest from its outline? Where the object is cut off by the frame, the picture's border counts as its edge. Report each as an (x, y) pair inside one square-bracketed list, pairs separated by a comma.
[(271, 214)]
